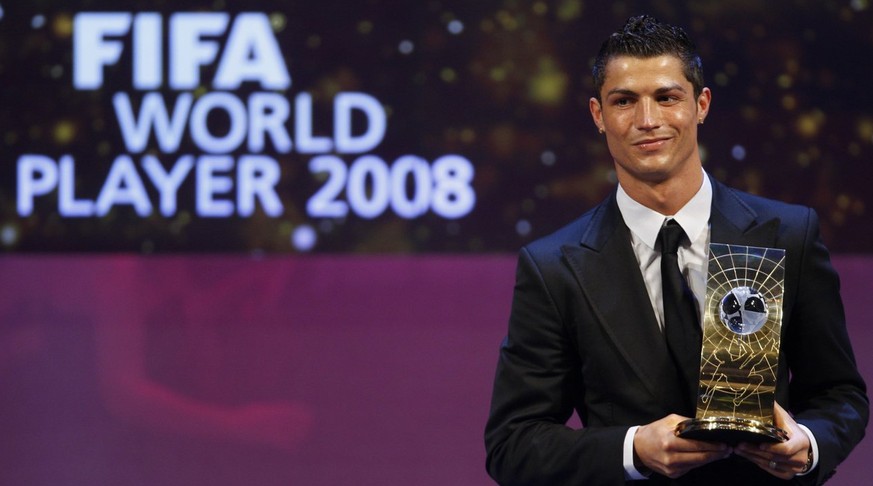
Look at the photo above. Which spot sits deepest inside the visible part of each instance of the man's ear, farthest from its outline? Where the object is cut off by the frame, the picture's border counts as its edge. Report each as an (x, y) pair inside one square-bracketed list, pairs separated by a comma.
[(596, 113), (704, 101)]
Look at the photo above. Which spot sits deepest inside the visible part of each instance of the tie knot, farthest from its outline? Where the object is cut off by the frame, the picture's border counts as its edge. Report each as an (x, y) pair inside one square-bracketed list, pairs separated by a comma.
[(670, 237)]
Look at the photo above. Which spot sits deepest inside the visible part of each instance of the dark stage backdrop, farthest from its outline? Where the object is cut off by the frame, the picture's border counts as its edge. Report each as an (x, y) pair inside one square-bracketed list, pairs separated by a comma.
[(273, 242), (377, 126)]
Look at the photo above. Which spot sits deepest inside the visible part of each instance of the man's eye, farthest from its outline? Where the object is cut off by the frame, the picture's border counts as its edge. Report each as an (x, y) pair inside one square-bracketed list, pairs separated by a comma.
[(622, 102)]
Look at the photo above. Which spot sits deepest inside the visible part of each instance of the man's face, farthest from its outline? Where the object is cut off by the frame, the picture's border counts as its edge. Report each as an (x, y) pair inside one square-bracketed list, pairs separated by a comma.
[(650, 116)]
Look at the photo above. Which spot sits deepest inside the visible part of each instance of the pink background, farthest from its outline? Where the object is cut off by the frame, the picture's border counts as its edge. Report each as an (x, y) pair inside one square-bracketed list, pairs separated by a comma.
[(184, 370)]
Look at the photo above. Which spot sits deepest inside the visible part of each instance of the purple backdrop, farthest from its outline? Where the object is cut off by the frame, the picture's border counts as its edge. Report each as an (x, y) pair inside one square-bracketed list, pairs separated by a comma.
[(284, 370)]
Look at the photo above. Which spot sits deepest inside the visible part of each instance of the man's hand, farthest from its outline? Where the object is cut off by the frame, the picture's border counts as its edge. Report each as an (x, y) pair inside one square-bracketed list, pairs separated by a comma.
[(784, 459), (659, 449)]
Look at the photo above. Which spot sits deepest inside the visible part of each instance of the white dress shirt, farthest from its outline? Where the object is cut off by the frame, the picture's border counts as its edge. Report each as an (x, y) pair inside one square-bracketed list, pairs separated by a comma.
[(645, 225)]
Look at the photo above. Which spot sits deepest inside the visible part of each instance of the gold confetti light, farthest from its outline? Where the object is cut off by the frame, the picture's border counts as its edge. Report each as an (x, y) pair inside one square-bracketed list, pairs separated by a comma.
[(549, 85), (365, 27), (278, 21), (448, 75), (468, 135), (803, 159), (569, 10), (507, 20), (498, 73), (809, 124), (313, 41), (865, 129), (62, 26), (9, 138), (64, 132)]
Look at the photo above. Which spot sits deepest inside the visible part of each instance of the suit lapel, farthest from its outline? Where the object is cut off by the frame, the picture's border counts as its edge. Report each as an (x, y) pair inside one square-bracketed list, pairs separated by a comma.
[(733, 222), (610, 279)]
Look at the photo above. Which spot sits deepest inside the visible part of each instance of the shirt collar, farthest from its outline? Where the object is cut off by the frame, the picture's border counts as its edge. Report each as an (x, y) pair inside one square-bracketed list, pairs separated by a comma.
[(646, 223)]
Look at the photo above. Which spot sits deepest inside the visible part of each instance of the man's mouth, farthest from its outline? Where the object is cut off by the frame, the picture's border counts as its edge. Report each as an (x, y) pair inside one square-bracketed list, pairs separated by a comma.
[(652, 144)]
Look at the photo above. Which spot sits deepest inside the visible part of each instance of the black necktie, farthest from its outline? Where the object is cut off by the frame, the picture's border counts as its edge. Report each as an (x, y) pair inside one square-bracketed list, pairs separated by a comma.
[(681, 325)]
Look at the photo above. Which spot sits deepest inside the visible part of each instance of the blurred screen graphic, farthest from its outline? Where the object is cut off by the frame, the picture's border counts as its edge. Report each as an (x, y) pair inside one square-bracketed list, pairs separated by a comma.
[(439, 126)]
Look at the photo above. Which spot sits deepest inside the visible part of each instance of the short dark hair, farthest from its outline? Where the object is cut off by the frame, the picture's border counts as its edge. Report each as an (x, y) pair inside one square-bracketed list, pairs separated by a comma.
[(645, 37)]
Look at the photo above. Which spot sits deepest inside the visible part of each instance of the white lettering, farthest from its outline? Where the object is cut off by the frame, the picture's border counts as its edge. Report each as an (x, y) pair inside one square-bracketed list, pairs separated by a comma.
[(418, 169), (152, 117), (268, 113), (252, 54), (257, 178), (188, 50), (37, 176), (372, 109), (199, 127), (369, 200), (123, 186), (68, 205), (91, 49), (209, 184), (167, 182), (371, 185), (147, 46), (306, 143)]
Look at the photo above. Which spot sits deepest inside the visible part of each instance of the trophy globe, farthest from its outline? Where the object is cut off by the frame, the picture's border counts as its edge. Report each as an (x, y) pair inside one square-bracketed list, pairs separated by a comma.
[(743, 310)]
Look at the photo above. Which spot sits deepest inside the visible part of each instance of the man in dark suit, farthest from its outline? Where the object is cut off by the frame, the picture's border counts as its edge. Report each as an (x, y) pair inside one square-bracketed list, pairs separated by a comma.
[(587, 326)]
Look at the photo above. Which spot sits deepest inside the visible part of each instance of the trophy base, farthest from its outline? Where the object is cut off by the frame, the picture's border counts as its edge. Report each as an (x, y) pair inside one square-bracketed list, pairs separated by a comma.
[(730, 430)]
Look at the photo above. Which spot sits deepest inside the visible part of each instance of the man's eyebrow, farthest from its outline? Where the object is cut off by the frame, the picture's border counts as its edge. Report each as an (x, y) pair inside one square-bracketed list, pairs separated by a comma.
[(621, 91), (661, 90), (672, 87)]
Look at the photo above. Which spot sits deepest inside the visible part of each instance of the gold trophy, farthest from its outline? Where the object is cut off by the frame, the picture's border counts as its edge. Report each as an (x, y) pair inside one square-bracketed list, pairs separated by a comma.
[(742, 320)]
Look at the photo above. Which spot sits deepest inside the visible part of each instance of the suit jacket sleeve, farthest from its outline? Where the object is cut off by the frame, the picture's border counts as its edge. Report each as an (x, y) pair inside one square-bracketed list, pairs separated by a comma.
[(537, 385), (826, 394)]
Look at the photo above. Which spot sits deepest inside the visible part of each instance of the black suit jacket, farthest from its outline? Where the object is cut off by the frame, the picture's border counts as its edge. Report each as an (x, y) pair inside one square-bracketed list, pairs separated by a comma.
[(583, 336)]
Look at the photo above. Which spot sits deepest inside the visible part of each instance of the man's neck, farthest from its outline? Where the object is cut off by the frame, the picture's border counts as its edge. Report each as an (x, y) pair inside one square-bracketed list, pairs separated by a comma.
[(666, 197)]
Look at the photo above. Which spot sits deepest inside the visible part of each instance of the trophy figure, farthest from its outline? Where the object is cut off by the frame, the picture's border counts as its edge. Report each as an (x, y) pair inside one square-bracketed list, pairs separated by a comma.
[(742, 320)]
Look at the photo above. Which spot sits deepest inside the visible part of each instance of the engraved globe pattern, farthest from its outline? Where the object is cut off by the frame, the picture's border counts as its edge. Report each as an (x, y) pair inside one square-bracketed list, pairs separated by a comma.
[(743, 310)]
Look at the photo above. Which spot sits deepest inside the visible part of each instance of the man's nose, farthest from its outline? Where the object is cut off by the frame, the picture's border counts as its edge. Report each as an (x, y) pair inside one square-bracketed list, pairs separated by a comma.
[(648, 114)]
